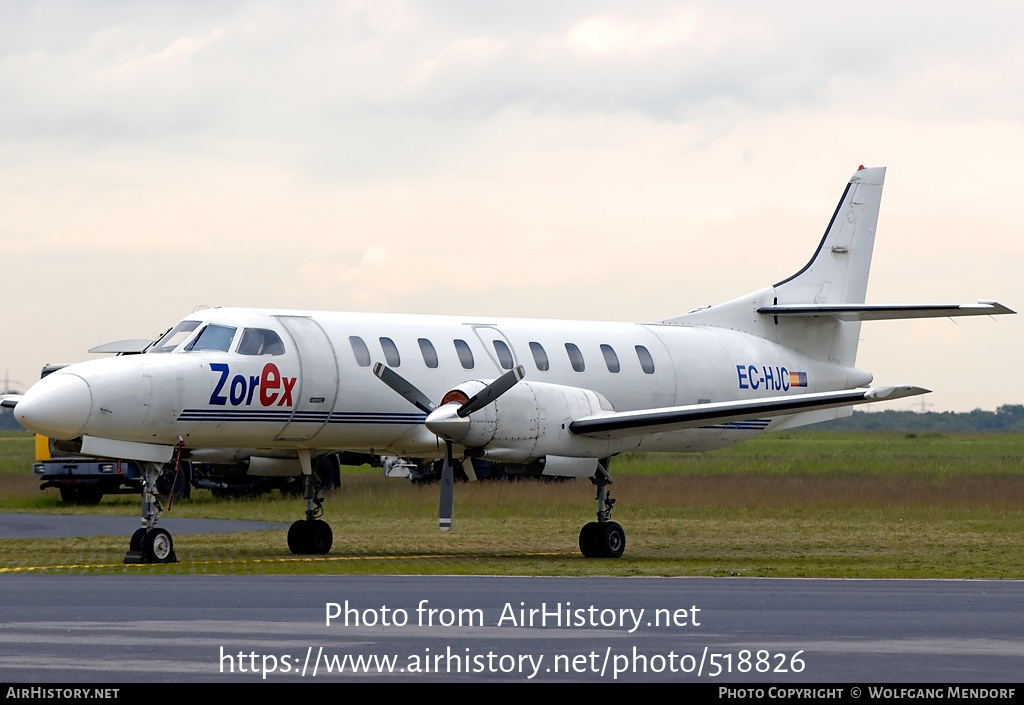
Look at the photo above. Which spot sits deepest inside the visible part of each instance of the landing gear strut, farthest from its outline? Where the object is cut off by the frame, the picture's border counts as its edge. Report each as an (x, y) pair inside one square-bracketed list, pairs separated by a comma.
[(150, 544), (312, 535), (602, 538)]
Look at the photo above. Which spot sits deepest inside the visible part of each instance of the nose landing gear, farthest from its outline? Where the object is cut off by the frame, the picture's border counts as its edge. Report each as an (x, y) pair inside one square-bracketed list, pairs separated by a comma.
[(150, 544)]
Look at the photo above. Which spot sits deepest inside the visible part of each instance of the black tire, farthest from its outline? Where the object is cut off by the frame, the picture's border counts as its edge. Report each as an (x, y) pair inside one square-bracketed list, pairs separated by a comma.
[(588, 540), (175, 485), (321, 537), (239, 493), (328, 469), (611, 540), (299, 537), (158, 546), (84, 496), (136, 542), (310, 537)]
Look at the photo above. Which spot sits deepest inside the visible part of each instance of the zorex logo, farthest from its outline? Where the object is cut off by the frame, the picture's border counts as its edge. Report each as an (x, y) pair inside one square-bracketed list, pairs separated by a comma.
[(273, 387)]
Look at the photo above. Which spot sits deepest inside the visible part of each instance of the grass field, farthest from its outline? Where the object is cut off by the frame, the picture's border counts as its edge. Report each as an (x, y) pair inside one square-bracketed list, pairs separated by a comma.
[(795, 504)]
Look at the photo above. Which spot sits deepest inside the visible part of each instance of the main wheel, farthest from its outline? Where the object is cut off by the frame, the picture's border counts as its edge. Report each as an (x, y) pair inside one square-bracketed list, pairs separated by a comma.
[(328, 469), (588, 540), (158, 546), (611, 540), (321, 537), (136, 543)]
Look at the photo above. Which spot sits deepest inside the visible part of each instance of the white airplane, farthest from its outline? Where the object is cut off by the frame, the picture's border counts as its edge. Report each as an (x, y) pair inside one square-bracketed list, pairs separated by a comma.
[(543, 397)]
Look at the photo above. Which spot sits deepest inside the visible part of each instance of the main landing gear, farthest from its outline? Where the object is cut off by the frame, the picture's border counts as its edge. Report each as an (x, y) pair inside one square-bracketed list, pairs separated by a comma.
[(150, 544), (602, 538), (312, 535)]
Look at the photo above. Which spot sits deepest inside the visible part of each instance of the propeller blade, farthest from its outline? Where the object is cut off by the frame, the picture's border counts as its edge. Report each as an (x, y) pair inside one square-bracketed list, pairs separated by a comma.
[(401, 385), (492, 391), (447, 508)]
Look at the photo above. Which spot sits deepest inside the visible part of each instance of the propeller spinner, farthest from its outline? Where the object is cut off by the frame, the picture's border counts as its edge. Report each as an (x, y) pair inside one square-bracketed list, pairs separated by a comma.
[(449, 422)]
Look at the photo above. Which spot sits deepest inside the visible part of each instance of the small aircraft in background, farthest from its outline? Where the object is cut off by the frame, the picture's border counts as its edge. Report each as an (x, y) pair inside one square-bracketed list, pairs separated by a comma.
[(278, 389)]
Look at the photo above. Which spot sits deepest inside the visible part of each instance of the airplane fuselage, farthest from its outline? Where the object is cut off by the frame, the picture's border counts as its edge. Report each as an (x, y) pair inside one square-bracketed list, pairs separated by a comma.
[(316, 389)]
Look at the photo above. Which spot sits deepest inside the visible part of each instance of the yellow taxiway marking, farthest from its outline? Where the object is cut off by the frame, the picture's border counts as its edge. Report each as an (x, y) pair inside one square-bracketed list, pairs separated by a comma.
[(240, 561)]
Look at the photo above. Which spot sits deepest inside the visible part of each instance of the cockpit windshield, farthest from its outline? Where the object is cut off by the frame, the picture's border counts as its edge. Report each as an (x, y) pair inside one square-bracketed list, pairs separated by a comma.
[(213, 337), (174, 337)]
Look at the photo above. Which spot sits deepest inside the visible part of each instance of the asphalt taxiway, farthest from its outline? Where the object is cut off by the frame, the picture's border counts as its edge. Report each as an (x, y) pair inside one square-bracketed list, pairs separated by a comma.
[(712, 630), (67, 628), (44, 526)]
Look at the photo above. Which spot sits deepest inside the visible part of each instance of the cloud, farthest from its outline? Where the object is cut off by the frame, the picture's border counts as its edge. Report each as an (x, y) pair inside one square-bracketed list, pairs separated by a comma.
[(577, 160)]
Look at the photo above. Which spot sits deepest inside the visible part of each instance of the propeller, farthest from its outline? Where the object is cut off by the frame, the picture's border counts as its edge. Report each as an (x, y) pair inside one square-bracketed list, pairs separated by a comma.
[(401, 385), (492, 391), (446, 508), (448, 422)]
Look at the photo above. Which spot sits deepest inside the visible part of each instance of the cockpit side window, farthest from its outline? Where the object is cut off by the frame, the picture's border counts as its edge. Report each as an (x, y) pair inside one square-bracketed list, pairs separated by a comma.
[(260, 341), (213, 337), (174, 337)]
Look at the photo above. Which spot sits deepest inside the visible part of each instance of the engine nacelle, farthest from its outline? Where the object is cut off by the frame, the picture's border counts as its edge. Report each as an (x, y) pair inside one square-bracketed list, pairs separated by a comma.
[(526, 423)]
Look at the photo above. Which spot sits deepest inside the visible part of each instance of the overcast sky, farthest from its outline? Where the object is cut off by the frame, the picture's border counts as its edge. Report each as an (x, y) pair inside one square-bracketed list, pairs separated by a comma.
[(588, 160)]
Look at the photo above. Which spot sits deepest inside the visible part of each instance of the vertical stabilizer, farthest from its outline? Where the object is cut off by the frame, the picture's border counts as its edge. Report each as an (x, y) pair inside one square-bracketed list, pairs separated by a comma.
[(837, 273)]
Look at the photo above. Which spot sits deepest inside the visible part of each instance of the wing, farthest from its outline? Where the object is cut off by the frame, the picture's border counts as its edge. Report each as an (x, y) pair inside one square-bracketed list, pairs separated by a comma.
[(9, 401), (882, 312), (674, 418)]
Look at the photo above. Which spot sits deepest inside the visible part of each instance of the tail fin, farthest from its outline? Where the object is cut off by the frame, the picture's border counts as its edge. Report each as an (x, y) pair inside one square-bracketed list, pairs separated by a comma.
[(838, 271), (836, 274)]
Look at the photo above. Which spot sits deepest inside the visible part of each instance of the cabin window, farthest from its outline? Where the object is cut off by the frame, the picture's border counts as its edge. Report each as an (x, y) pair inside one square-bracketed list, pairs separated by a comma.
[(428, 352), (646, 361), (610, 358), (504, 355), (213, 337), (260, 341), (390, 352), (540, 357), (465, 354), (174, 337), (575, 357), (360, 350)]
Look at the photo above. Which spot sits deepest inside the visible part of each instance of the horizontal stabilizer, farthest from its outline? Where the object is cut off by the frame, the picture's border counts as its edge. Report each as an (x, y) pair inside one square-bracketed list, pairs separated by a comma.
[(884, 312), (9, 401), (631, 423)]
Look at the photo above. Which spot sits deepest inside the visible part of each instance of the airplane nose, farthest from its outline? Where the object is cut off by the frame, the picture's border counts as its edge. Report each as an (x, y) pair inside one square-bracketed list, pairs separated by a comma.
[(57, 406)]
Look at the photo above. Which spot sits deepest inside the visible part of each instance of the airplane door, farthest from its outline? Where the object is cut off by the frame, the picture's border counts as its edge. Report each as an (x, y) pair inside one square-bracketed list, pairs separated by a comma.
[(498, 348), (318, 379)]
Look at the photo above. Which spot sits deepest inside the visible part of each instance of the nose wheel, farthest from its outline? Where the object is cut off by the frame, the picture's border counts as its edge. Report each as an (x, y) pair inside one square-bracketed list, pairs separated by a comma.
[(310, 537), (150, 544)]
